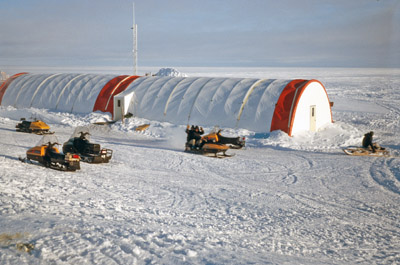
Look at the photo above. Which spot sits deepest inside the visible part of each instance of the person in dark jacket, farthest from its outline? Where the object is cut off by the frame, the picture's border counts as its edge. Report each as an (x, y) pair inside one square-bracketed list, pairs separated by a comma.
[(189, 132), (194, 136), (367, 142)]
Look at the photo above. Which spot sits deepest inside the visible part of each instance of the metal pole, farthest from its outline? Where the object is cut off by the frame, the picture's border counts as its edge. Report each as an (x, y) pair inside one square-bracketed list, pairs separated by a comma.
[(134, 28), (136, 50)]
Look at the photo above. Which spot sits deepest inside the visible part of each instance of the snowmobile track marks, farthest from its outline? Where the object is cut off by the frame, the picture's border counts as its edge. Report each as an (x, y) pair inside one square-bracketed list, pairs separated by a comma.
[(386, 173)]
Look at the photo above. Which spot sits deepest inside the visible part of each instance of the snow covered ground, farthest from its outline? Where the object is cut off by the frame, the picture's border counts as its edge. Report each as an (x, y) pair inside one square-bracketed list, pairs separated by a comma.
[(281, 200)]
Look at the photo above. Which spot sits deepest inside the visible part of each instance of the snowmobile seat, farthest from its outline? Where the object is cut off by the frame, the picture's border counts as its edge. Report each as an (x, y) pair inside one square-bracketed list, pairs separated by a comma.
[(59, 157)]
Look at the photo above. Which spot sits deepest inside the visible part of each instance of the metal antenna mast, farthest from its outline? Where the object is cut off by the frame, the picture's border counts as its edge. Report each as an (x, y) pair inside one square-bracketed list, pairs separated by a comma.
[(134, 29)]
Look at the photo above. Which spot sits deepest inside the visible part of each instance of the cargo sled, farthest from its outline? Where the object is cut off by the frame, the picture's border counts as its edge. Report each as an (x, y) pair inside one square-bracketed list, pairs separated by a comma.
[(36, 126), (46, 154), (361, 151), (89, 152)]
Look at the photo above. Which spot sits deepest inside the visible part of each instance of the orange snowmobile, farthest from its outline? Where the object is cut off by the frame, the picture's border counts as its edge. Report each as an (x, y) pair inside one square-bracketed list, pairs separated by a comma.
[(46, 154), (36, 126)]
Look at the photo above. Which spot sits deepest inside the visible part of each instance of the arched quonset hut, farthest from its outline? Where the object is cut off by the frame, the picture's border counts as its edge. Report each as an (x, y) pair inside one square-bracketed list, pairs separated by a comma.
[(261, 105)]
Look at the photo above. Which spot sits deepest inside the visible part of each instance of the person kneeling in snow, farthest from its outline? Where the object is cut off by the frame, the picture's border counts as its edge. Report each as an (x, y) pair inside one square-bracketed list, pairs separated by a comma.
[(367, 142), (194, 136)]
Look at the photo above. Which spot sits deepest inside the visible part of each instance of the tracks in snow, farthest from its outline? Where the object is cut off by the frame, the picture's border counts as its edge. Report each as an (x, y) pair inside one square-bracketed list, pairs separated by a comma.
[(152, 204), (386, 173)]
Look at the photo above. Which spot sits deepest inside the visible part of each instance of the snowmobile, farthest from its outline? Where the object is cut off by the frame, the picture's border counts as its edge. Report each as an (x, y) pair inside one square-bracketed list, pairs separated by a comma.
[(48, 155), (208, 146), (233, 142), (89, 152), (36, 126), (361, 151)]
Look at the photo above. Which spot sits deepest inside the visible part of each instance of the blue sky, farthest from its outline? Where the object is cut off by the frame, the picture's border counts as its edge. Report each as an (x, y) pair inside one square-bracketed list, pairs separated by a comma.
[(245, 33)]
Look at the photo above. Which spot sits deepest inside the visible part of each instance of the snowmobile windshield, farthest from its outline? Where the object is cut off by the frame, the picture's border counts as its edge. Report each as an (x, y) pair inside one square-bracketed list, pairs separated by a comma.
[(47, 139), (216, 129), (81, 131)]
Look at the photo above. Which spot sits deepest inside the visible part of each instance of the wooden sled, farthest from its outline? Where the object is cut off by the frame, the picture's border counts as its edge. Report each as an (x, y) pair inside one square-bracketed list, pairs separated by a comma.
[(359, 151), (142, 127)]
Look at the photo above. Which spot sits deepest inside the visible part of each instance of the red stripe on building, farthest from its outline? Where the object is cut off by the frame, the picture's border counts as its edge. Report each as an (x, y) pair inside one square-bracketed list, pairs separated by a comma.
[(118, 89), (282, 118), (106, 92), (5, 85)]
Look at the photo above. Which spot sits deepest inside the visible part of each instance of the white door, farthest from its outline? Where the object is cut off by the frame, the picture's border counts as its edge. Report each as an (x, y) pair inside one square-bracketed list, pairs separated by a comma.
[(118, 109), (313, 118)]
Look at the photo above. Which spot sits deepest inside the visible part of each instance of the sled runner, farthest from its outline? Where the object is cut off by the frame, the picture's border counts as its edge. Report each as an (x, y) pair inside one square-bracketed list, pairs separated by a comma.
[(360, 151), (209, 149)]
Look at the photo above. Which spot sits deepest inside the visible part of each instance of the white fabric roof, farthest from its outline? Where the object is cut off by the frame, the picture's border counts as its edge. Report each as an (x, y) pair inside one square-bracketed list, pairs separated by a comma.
[(63, 92), (227, 102)]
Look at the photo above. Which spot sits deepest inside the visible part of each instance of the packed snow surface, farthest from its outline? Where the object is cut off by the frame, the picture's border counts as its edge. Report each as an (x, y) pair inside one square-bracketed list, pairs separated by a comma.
[(281, 200)]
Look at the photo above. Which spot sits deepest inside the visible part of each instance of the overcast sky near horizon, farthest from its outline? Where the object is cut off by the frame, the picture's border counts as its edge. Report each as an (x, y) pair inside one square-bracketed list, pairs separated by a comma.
[(173, 33)]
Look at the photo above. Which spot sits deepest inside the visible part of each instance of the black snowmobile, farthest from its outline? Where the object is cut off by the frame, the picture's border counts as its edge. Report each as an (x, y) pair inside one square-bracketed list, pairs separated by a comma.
[(233, 142), (48, 155), (89, 152)]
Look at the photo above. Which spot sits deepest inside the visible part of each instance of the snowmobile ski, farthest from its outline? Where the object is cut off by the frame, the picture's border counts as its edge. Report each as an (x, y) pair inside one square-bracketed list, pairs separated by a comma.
[(52, 165), (212, 155)]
